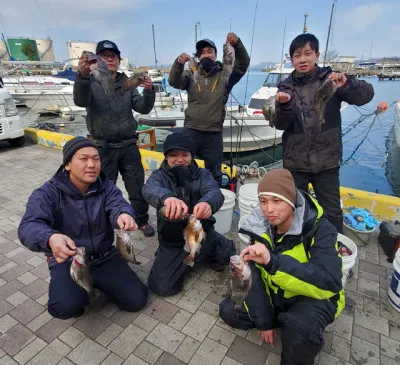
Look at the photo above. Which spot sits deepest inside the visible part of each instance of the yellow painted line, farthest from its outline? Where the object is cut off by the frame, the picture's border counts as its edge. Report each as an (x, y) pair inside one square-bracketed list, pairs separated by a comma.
[(151, 160)]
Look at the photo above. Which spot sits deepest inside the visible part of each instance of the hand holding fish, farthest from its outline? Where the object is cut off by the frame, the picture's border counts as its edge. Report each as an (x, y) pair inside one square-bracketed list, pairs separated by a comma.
[(202, 210), (175, 208), (339, 78), (232, 38), (62, 247), (268, 336), (257, 253), (282, 97), (84, 66), (126, 222), (147, 83), (183, 58)]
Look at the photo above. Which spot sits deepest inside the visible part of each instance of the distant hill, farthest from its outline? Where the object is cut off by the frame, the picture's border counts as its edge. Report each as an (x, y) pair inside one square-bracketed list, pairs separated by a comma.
[(261, 65)]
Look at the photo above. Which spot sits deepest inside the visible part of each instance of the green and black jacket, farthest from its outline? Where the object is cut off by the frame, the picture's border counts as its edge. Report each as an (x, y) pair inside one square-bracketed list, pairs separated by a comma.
[(305, 263)]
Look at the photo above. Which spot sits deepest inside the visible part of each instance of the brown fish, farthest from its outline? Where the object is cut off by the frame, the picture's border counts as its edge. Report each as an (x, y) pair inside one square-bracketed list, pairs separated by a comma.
[(194, 69), (228, 61), (194, 235), (134, 81), (100, 71), (240, 281), (321, 98), (125, 247), (80, 271), (268, 110), (163, 215)]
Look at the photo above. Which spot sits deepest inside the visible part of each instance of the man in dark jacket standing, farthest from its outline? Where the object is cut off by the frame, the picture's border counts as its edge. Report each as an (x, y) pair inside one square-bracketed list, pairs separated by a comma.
[(113, 128), (313, 151), (207, 96), (77, 208), (181, 187), (296, 271)]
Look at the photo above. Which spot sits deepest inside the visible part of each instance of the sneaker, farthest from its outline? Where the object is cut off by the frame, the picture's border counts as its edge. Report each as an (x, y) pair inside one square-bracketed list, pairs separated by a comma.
[(217, 267), (147, 230)]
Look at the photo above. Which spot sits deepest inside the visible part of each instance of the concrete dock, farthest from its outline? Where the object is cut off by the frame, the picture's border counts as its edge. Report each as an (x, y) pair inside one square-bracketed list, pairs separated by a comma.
[(183, 329)]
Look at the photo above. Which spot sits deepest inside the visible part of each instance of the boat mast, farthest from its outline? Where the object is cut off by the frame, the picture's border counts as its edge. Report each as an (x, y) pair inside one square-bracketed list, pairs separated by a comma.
[(195, 31), (305, 23), (329, 31), (154, 45)]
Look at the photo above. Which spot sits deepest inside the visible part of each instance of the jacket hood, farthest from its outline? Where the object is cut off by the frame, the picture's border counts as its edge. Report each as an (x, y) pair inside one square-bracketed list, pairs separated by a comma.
[(307, 212), (64, 183)]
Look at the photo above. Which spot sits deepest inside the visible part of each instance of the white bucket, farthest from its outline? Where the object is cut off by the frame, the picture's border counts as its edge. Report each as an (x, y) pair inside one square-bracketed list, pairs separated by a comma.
[(224, 215), (244, 238), (248, 198), (348, 261), (394, 288)]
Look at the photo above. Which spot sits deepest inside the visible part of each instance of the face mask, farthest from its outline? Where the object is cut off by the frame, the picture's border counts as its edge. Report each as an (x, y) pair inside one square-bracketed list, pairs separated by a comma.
[(207, 64)]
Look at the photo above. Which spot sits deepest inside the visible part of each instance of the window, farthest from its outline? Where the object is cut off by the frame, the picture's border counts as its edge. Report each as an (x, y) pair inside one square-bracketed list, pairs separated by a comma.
[(273, 79)]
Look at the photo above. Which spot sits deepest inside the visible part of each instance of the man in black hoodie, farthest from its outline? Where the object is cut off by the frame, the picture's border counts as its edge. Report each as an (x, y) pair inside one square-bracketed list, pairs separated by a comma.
[(313, 151), (78, 208), (182, 187)]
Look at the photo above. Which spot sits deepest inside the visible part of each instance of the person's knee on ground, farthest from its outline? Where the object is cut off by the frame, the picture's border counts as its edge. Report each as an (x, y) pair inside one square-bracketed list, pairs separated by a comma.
[(163, 288), (69, 307), (235, 319), (134, 302)]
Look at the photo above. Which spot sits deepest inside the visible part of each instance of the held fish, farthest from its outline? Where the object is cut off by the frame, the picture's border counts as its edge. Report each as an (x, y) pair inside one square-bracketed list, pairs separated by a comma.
[(268, 110), (125, 247), (100, 71), (194, 69), (163, 215), (321, 98), (80, 271), (240, 281), (194, 236), (134, 81), (228, 61)]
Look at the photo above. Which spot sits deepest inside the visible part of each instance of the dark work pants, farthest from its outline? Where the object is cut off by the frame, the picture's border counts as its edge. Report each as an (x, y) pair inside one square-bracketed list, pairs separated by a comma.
[(167, 273), (302, 327), (208, 146), (127, 161), (327, 190), (111, 275)]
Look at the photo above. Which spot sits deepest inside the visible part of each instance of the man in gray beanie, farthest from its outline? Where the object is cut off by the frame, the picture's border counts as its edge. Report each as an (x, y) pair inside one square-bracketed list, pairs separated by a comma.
[(296, 271), (79, 208)]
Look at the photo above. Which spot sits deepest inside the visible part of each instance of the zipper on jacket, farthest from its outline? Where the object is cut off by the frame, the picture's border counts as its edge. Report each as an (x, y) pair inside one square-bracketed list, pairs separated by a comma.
[(89, 225)]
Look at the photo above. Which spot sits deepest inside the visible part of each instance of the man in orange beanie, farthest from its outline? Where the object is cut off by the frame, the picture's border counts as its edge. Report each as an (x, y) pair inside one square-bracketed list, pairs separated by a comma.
[(296, 270)]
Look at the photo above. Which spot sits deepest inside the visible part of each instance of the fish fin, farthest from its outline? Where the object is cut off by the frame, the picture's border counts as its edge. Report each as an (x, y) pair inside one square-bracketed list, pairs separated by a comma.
[(186, 247), (189, 260), (198, 249)]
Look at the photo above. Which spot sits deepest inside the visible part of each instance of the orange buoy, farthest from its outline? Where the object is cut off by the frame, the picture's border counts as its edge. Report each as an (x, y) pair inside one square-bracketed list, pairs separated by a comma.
[(382, 105)]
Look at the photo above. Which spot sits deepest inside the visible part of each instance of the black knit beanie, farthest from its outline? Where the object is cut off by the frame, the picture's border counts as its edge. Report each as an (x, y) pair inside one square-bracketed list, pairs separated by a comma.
[(180, 141), (74, 145)]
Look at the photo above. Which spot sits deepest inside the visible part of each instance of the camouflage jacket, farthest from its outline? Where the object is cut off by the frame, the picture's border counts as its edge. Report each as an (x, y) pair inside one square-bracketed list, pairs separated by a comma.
[(208, 96), (306, 146)]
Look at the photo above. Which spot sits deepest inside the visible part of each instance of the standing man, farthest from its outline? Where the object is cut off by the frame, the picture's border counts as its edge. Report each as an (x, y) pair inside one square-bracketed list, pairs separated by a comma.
[(313, 153), (207, 96), (113, 127)]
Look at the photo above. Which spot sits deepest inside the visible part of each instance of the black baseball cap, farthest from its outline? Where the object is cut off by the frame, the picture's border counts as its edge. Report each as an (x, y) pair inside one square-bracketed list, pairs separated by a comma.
[(205, 43), (107, 46)]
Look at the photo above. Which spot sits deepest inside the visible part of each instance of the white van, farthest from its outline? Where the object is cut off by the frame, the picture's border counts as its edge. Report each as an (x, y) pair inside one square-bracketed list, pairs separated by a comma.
[(11, 128)]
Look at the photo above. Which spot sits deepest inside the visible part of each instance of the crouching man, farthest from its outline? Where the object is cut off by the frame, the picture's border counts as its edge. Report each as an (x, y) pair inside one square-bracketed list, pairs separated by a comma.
[(77, 208), (181, 187), (296, 270)]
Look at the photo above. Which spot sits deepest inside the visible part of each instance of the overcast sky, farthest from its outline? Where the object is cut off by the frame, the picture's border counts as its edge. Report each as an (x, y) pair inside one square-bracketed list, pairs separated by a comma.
[(357, 23)]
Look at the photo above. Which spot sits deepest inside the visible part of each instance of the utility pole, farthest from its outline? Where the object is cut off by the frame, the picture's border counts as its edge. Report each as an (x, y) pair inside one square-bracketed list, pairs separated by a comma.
[(329, 31), (305, 23)]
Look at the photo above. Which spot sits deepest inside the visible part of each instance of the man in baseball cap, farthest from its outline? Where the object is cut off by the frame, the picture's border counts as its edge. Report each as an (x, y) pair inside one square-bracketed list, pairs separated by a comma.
[(296, 284), (111, 124)]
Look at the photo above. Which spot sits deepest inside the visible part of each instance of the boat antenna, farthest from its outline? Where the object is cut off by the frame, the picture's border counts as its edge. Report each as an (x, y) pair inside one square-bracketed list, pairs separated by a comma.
[(283, 42), (305, 23), (154, 46), (329, 31)]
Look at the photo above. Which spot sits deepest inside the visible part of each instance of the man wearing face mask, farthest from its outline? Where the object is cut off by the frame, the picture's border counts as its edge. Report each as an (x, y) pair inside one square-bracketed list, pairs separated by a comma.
[(207, 96), (181, 187)]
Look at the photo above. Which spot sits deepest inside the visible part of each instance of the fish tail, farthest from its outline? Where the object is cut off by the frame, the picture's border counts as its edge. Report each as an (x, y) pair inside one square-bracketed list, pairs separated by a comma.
[(189, 259)]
